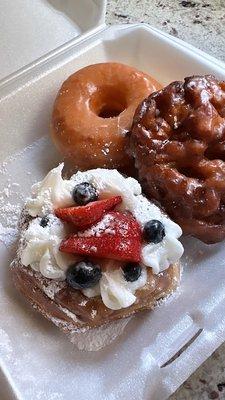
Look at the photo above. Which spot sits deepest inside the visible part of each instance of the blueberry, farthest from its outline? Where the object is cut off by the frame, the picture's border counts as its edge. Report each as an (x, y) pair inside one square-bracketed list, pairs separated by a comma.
[(83, 275), (132, 271), (154, 231), (84, 193), (44, 221)]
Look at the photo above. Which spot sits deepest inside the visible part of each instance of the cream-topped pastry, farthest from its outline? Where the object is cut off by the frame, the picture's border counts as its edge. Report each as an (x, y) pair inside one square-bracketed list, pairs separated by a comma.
[(134, 231)]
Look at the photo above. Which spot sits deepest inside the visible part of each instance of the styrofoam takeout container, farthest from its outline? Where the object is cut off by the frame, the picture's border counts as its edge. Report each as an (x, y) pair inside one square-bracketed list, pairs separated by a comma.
[(158, 350)]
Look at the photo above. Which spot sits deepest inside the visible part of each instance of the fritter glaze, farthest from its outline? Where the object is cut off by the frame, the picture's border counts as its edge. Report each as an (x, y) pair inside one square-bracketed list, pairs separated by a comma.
[(178, 141)]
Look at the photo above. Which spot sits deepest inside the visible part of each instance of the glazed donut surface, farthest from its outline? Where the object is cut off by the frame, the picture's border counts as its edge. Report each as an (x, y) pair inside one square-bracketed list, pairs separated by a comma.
[(93, 113)]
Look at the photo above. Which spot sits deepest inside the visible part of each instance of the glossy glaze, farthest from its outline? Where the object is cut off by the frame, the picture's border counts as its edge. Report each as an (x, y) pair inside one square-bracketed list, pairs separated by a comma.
[(178, 140), (93, 113)]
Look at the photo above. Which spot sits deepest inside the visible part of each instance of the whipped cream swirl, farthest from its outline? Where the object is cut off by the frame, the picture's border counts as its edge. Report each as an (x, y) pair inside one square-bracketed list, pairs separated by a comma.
[(115, 291), (41, 249), (42, 244)]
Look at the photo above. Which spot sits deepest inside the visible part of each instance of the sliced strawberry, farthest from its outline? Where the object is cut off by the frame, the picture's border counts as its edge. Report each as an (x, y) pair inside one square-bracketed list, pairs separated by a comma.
[(84, 216), (114, 247), (117, 237)]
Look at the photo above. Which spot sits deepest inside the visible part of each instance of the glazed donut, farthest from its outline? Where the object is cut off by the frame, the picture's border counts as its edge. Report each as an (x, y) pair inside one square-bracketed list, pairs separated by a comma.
[(93, 113), (178, 141)]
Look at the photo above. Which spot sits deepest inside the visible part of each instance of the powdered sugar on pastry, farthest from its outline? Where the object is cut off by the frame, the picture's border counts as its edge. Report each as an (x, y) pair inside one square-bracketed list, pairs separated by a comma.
[(41, 249)]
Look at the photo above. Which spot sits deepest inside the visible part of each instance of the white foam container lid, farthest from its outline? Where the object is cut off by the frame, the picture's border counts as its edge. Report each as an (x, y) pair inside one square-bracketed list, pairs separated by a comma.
[(32, 28), (36, 360)]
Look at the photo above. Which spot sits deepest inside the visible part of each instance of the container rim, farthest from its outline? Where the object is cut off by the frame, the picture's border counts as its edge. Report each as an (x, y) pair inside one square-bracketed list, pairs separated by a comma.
[(93, 34)]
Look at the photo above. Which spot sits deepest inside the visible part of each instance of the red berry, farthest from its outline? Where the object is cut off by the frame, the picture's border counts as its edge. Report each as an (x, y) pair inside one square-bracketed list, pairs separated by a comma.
[(117, 237), (84, 216)]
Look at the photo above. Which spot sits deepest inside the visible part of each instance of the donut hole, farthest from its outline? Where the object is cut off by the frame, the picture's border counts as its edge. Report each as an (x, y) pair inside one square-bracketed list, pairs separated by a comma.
[(108, 102), (110, 111)]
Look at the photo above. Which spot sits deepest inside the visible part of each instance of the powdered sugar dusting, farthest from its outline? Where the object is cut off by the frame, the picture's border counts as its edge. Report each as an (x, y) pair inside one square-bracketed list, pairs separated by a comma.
[(70, 314), (83, 303), (8, 236), (10, 211), (93, 313), (93, 248), (99, 228), (53, 288), (12, 194), (98, 338)]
